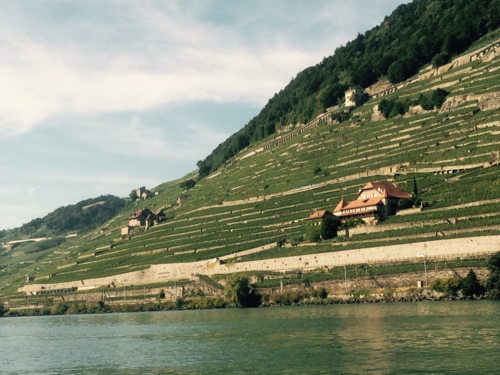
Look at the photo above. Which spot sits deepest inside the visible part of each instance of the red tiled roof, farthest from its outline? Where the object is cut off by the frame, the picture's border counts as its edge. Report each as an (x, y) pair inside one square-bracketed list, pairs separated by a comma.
[(320, 215), (136, 214), (340, 206), (391, 191), (363, 203)]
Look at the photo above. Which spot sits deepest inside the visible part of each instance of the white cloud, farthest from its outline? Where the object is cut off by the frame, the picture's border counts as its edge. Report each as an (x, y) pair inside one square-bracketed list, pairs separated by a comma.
[(191, 62)]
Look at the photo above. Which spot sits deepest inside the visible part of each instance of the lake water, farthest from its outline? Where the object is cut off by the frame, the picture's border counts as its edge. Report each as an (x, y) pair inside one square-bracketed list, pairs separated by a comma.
[(461, 337)]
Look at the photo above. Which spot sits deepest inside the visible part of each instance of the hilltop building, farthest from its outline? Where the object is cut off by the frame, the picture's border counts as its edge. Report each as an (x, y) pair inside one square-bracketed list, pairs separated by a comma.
[(375, 200), (143, 193), (354, 95)]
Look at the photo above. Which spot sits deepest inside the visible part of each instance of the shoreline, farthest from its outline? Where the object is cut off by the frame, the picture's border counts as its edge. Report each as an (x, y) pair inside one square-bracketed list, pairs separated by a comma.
[(171, 306)]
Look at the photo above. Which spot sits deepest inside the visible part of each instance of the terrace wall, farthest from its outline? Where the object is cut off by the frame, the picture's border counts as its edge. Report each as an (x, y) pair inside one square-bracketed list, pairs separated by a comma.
[(461, 247), (401, 280)]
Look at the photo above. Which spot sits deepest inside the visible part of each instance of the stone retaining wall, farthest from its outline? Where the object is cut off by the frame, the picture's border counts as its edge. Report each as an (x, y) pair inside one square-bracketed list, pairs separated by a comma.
[(461, 247), (401, 280)]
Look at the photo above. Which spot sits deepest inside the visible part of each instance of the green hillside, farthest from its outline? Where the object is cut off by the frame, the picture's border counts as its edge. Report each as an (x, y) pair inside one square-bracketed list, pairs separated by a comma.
[(451, 152), (414, 35), (81, 217)]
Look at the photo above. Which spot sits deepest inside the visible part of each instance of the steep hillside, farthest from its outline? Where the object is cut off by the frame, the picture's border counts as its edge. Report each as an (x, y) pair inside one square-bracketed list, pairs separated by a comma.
[(263, 199), (254, 208), (412, 36)]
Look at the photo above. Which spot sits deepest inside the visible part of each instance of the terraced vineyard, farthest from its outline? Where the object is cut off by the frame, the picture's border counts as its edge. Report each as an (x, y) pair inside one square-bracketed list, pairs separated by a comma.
[(241, 212)]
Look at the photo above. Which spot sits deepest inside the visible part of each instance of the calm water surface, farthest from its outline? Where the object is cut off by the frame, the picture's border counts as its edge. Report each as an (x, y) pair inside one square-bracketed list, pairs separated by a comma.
[(401, 338)]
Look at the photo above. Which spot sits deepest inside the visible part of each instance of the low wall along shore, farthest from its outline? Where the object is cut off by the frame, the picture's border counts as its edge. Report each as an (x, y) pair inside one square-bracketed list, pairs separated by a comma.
[(460, 247)]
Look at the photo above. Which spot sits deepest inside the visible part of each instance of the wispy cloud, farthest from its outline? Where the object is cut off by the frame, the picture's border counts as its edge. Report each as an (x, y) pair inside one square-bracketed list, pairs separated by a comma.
[(190, 62)]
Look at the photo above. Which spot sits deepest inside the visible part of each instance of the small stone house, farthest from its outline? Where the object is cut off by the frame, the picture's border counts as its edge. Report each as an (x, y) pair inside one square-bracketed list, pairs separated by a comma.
[(143, 193), (375, 200), (318, 217), (314, 224), (140, 191), (353, 95), (126, 230), (146, 195), (144, 218)]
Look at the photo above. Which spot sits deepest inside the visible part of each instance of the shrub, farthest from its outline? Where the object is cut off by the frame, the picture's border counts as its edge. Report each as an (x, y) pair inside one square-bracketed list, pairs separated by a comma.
[(401, 70), (438, 97), (470, 285), (329, 227), (179, 302), (493, 282), (440, 59), (320, 293), (351, 223), (316, 171), (425, 102), (448, 286), (133, 195), (59, 308), (237, 291), (405, 203), (313, 233), (188, 184)]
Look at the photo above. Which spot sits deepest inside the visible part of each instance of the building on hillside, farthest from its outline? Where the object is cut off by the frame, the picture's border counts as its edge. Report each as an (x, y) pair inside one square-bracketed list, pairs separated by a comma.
[(143, 193), (314, 224), (375, 200), (126, 230), (140, 191), (142, 218), (353, 96), (317, 217), (146, 195)]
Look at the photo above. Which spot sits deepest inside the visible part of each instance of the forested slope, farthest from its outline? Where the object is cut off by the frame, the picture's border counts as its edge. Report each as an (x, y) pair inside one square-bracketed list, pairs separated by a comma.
[(412, 36), (83, 217)]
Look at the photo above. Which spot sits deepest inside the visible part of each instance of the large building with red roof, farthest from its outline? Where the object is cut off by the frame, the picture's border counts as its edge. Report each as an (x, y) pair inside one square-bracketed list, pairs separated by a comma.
[(375, 200)]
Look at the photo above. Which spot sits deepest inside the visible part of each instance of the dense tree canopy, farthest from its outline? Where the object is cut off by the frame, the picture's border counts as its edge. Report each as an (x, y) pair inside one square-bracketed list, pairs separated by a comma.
[(76, 217), (413, 35)]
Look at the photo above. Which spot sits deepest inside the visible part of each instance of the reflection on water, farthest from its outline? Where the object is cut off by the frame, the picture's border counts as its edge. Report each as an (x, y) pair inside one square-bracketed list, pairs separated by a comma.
[(423, 338)]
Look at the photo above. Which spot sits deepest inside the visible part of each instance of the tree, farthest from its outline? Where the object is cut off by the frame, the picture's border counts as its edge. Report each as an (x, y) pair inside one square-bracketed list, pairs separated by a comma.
[(448, 286), (415, 188), (188, 184), (470, 285), (329, 227), (401, 70), (425, 102), (493, 281), (440, 59), (237, 291), (313, 232), (133, 195), (438, 97)]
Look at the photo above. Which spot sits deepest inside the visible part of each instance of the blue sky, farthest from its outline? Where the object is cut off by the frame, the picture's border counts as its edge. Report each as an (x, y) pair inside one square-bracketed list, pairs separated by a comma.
[(99, 97)]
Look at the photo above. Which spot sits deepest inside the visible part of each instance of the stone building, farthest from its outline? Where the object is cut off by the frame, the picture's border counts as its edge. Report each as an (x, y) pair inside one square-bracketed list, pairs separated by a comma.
[(317, 217), (314, 223), (140, 191), (354, 95), (144, 218), (146, 195), (375, 200), (143, 193)]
